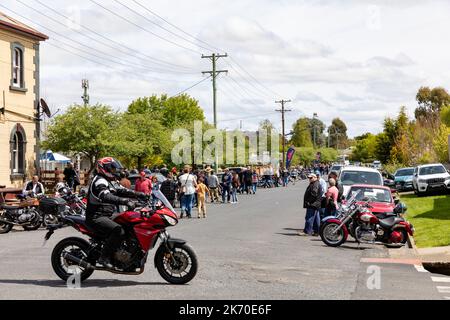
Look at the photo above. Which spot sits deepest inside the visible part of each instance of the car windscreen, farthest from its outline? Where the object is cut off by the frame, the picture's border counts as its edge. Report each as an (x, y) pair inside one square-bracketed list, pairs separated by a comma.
[(349, 178), (373, 194), (336, 168), (432, 170), (404, 173)]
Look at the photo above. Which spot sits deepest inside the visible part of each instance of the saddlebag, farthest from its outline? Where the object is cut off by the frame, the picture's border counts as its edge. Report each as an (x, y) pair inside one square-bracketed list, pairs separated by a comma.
[(52, 206)]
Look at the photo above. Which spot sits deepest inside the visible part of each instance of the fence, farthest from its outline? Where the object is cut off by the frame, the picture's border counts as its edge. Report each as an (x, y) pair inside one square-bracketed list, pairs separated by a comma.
[(50, 178)]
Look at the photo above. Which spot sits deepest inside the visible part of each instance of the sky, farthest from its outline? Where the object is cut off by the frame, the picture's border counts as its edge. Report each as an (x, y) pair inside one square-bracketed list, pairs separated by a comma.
[(357, 60)]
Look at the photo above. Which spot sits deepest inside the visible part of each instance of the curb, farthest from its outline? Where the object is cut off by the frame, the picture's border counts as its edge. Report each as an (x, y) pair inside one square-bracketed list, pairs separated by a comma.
[(412, 245)]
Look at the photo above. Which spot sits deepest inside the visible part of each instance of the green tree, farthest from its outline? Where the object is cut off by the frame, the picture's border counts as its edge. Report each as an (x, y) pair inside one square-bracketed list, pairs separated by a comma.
[(302, 133), (431, 101), (338, 134), (82, 129)]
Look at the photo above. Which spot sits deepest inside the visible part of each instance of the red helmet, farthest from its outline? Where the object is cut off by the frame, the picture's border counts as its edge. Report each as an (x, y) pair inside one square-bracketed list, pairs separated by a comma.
[(110, 168)]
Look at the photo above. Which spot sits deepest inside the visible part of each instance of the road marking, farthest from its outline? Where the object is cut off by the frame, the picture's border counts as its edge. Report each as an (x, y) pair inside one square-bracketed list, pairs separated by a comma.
[(420, 268), (440, 279), (443, 289), (391, 261)]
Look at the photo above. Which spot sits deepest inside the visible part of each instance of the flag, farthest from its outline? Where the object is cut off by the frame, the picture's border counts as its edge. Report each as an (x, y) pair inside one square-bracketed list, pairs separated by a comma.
[(289, 157)]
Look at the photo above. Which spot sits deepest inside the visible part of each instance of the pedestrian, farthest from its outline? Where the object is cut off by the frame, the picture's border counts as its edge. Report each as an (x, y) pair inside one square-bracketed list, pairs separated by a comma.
[(168, 188), (155, 183), (285, 176), (202, 189), (333, 175), (248, 180), (332, 198), (70, 175), (324, 188), (143, 184), (188, 184), (164, 171), (235, 184), (226, 186), (312, 204), (124, 182), (213, 186), (255, 180)]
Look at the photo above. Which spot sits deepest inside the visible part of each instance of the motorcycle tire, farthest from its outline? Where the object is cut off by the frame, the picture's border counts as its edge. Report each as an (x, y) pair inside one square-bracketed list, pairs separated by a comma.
[(5, 227), (57, 259), (326, 240), (161, 262)]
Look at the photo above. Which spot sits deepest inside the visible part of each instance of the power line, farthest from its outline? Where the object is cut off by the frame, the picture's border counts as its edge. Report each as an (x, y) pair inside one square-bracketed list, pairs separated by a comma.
[(159, 26), (283, 112), (85, 35), (132, 51), (144, 29), (193, 86)]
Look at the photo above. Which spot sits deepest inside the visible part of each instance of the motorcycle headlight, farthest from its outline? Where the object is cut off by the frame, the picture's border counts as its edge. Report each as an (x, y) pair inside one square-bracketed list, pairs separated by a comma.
[(171, 221)]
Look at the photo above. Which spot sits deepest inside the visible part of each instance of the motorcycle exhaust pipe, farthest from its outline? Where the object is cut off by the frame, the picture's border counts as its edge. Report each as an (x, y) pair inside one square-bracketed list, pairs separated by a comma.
[(78, 261), (14, 223)]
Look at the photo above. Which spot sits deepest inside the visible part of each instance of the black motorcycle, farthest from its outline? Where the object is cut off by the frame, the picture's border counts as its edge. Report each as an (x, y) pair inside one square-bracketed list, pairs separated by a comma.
[(25, 214)]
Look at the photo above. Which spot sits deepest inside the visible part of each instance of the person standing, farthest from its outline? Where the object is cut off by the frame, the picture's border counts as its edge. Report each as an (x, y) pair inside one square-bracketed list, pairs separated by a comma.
[(213, 186), (235, 184), (324, 189), (248, 180), (312, 204), (188, 184), (332, 198), (334, 176), (255, 180), (202, 190), (70, 175), (143, 184), (164, 171), (168, 189), (226, 186), (124, 182)]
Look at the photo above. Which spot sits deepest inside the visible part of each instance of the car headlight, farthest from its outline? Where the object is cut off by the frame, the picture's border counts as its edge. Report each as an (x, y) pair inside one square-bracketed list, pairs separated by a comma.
[(170, 220)]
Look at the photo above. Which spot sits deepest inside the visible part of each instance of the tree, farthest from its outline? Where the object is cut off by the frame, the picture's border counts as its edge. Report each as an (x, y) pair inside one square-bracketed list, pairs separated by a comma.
[(431, 101), (317, 128), (385, 141), (82, 129), (173, 112), (302, 133), (364, 150), (338, 134)]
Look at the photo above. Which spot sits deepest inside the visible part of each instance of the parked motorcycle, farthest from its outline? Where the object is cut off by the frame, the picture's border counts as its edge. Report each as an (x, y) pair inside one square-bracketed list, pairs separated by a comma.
[(24, 214), (357, 220), (175, 261)]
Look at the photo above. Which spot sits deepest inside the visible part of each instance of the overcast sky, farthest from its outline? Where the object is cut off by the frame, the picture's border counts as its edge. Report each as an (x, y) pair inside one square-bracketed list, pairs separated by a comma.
[(360, 60)]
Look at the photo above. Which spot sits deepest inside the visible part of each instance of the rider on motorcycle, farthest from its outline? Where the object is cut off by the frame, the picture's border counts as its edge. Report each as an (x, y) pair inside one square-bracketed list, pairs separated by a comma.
[(104, 195)]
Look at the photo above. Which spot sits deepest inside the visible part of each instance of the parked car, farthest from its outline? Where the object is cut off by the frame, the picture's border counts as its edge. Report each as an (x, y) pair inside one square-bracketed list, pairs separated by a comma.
[(336, 168), (382, 202), (134, 177), (404, 179), (351, 175), (430, 177), (377, 165)]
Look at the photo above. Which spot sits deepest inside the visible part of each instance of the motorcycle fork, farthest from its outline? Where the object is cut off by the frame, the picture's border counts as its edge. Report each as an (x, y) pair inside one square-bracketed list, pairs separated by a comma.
[(164, 237), (343, 223)]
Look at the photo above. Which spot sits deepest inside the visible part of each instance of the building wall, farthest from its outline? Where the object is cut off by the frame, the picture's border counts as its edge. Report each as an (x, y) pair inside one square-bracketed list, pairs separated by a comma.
[(21, 102)]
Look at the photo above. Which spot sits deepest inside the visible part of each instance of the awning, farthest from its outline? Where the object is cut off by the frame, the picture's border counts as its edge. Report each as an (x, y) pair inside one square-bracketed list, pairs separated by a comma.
[(56, 157)]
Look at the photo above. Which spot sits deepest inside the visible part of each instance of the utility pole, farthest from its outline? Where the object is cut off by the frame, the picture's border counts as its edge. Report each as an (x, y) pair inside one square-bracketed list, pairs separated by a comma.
[(214, 73), (85, 86), (315, 117), (283, 112)]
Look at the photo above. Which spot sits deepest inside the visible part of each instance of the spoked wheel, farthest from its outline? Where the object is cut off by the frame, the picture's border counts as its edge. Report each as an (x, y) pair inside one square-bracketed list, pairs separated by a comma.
[(178, 266), (65, 268), (331, 236), (5, 227)]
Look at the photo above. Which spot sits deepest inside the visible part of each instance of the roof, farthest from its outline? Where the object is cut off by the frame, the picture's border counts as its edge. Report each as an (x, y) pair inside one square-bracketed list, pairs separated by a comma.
[(431, 165), (13, 25), (361, 169)]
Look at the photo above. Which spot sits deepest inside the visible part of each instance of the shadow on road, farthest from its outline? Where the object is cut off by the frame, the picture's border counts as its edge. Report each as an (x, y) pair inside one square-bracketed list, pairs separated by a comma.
[(87, 284)]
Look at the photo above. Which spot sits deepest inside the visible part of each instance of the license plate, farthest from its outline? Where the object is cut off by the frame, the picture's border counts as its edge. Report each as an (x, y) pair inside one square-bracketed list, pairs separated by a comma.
[(440, 185)]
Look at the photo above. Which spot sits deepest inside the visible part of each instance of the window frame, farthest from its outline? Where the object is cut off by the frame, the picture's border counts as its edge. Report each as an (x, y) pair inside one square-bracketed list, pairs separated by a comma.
[(17, 67), (18, 147)]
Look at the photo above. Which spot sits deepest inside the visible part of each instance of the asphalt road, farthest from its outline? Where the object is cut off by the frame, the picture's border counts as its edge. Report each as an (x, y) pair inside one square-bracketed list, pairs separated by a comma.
[(246, 251)]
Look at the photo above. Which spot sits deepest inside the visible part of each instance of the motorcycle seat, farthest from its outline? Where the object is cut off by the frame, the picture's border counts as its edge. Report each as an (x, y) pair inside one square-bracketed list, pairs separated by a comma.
[(390, 222), (82, 222)]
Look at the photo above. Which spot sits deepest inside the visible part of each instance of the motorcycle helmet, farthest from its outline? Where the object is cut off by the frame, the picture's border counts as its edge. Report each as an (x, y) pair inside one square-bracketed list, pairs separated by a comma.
[(109, 168)]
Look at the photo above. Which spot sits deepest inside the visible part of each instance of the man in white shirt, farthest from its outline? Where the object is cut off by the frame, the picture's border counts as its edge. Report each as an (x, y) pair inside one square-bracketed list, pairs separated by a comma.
[(188, 184), (33, 188)]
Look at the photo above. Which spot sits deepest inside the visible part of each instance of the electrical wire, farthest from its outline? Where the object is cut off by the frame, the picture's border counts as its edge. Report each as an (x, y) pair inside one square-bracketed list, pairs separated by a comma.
[(191, 87)]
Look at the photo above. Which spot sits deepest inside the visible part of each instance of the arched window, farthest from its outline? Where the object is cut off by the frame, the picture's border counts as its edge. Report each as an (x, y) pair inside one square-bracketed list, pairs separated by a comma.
[(18, 146)]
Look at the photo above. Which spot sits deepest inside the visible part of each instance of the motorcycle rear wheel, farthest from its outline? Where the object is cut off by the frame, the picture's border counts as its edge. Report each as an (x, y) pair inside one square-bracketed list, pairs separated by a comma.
[(172, 265), (5, 228), (76, 246), (328, 237)]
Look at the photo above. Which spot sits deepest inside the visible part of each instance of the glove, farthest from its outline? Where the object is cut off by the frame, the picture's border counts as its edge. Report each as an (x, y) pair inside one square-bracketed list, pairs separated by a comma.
[(131, 205), (142, 196)]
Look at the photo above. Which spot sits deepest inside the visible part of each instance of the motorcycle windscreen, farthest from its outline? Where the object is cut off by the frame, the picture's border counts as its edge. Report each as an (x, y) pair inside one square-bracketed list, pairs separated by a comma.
[(353, 197), (161, 197)]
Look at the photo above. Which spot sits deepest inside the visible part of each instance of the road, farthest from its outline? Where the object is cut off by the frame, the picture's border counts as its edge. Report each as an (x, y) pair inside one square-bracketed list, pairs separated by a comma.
[(246, 251)]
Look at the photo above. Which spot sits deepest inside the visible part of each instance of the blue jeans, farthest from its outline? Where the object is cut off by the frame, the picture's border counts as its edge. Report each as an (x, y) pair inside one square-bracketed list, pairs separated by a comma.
[(226, 193), (312, 224), (234, 197), (254, 187), (186, 204)]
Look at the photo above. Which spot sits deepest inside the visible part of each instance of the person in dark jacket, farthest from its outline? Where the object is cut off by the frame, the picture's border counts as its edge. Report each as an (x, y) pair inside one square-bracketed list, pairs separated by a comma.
[(312, 204), (169, 188)]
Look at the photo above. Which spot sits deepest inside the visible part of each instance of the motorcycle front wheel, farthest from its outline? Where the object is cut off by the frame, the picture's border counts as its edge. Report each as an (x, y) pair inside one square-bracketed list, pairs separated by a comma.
[(177, 266), (5, 227), (330, 236)]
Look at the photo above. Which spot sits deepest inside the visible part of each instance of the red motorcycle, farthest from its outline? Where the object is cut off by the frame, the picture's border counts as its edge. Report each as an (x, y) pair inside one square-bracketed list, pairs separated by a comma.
[(365, 226), (175, 261)]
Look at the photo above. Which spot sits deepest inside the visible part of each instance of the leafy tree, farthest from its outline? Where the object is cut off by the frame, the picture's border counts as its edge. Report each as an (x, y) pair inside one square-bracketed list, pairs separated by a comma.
[(338, 134), (364, 150), (82, 129), (302, 134), (431, 101)]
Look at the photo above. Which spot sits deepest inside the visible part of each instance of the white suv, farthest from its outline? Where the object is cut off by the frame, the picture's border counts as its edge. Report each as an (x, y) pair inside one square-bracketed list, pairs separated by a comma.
[(352, 175), (430, 177)]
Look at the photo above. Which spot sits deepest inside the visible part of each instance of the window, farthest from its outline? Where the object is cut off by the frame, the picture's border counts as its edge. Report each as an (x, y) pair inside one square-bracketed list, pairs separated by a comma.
[(18, 147), (18, 67)]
